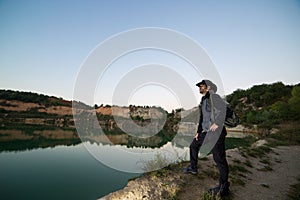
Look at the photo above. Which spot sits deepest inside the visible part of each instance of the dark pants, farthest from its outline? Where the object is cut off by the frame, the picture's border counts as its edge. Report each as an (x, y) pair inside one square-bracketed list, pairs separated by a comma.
[(219, 154)]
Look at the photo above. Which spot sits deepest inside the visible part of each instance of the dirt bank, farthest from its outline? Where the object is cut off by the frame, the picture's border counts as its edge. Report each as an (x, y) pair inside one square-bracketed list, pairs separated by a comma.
[(273, 183), (256, 173)]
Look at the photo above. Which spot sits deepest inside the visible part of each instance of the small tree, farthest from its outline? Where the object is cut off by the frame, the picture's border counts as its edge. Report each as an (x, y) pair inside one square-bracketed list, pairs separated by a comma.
[(294, 103)]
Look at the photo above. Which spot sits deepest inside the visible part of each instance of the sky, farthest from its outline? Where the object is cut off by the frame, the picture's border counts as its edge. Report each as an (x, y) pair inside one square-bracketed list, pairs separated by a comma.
[(44, 44)]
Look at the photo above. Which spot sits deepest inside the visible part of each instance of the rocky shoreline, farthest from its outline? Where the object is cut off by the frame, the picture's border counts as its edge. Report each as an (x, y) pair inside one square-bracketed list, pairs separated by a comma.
[(256, 177)]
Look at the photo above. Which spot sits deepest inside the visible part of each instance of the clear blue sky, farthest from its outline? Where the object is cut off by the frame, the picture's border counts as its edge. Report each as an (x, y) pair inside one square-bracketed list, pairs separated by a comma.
[(43, 43)]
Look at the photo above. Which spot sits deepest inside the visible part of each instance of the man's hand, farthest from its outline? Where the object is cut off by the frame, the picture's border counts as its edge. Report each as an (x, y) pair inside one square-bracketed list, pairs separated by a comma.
[(196, 136), (213, 127)]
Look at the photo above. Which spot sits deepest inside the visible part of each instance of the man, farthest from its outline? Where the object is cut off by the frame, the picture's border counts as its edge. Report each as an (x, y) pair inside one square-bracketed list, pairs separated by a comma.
[(211, 125)]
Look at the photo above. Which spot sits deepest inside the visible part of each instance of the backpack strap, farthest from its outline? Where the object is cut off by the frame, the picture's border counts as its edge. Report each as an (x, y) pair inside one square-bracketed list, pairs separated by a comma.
[(212, 108)]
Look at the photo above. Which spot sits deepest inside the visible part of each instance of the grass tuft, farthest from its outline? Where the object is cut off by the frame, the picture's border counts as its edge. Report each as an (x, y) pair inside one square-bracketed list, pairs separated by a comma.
[(235, 168)]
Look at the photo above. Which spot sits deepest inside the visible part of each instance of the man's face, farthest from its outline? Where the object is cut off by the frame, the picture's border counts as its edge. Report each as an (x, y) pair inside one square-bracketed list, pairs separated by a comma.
[(203, 89)]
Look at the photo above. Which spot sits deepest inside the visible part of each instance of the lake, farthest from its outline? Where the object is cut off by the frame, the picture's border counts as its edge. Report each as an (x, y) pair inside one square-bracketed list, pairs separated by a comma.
[(43, 166), (61, 172)]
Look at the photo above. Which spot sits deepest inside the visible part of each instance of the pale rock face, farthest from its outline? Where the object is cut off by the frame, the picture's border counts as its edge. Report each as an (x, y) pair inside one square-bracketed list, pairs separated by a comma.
[(126, 112), (187, 128), (259, 143)]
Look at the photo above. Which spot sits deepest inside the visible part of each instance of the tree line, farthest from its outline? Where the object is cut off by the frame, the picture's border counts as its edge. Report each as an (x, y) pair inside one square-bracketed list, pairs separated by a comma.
[(264, 105), (30, 97), (267, 104)]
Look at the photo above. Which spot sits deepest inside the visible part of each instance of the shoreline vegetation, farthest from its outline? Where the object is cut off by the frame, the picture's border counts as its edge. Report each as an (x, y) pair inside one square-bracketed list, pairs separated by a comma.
[(269, 112)]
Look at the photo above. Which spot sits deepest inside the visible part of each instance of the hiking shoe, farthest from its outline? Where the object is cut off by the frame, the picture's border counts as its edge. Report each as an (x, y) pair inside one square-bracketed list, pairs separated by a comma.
[(189, 169), (214, 190), (223, 190)]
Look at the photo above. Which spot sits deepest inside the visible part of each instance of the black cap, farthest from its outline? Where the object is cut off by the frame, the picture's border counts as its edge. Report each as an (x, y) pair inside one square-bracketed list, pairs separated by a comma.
[(208, 83)]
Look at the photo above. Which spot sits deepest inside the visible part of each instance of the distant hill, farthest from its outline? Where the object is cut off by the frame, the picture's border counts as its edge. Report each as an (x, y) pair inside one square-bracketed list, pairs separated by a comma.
[(29, 97), (267, 104), (264, 105), (27, 108), (37, 109)]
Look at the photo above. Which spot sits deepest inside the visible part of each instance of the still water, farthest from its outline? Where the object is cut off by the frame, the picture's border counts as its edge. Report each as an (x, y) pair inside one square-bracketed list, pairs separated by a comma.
[(62, 172), (46, 167)]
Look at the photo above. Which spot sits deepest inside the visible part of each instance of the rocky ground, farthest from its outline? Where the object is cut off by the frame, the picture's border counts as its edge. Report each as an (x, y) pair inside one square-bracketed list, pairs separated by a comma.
[(275, 182), (259, 172)]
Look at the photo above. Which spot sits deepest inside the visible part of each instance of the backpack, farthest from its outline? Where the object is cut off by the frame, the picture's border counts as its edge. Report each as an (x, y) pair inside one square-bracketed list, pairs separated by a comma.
[(231, 119)]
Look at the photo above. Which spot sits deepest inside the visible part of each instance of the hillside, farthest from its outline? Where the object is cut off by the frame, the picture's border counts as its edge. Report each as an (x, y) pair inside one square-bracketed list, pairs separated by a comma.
[(265, 105), (29, 97), (19, 108), (36, 109)]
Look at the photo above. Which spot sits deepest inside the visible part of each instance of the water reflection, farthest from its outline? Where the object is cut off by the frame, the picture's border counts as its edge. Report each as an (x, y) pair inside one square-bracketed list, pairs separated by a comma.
[(24, 139), (28, 138)]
